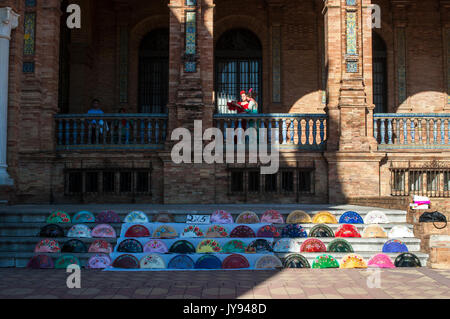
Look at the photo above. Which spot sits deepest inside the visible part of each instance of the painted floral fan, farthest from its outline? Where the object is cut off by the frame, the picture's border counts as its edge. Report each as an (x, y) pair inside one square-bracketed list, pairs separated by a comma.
[(65, 261), (51, 231), (400, 232), (259, 246), (192, 231), (272, 217), (156, 246), (100, 246), (381, 261), (165, 232), (221, 217), (247, 218), (324, 218), (321, 231), (348, 231), (235, 261), (83, 217), (181, 262), (268, 262), (351, 218), (242, 232), (325, 261), (313, 245), (74, 246), (182, 247), (163, 217), (208, 262), (395, 246), (376, 217), (59, 217), (286, 245), (268, 231), (374, 231), (407, 260), (137, 231), (208, 246), (296, 261), (298, 217), (126, 262), (351, 261), (293, 231), (104, 231), (234, 246), (47, 246), (136, 217), (152, 262), (131, 246), (340, 246), (79, 231), (41, 262), (217, 231), (99, 262), (108, 217)]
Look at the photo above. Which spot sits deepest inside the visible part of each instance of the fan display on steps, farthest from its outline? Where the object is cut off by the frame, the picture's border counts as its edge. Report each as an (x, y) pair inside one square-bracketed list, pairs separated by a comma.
[(182, 247), (152, 262), (286, 245), (51, 231), (395, 246), (74, 246), (351, 218), (272, 217), (268, 262), (208, 246), (296, 261), (192, 231), (340, 246), (165, 232), (41, 262), (325, 261), (217, 231), (59, 217), (156, 246), (376, 217), (79, 231), (100, 246), (108, 217), (163, 217), (381, 261), (47, 246), (298, 217), (351, 261), (181, 262), (324, 218), (242, 231), (407, 260), (321, 231), (248, 218), (259, 246), (137, 231), (136, 217), (401, 231), (131, 246), (221, 217), (348, 231), (235, 261), (208, 262), (83, 217), (268, 231), (374, 231), (234, 246), (65, 261), (293, 231), (313, 245), (100, 261), (126, 262), (104, 231)]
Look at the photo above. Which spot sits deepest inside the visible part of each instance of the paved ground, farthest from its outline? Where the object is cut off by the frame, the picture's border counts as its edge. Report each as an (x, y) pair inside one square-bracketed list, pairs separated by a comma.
[(296, 284)]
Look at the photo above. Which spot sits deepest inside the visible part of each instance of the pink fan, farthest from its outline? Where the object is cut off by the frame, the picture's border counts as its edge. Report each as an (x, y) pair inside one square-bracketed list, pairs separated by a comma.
[(99, 262), (272, 217), (221, 217), (100, 246), (155, 246), (381, 261), (104, 231), (47, 246)]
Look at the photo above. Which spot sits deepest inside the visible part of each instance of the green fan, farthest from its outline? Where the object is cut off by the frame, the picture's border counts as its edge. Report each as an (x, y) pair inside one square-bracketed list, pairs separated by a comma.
[(325, 261), (340, 246)]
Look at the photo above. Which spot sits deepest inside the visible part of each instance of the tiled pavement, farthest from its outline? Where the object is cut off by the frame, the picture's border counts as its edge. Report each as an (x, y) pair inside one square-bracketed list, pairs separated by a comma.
[(295, 284)]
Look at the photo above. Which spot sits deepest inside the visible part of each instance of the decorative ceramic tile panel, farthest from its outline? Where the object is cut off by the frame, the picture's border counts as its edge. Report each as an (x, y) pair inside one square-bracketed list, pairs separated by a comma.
[(191, 2), (352, 66), (401, 64), (28, 67), (351, 33), (29, 33), (123, 66), (276, 64), (30, 3), (191, 41), (351, 2), (448, 65)]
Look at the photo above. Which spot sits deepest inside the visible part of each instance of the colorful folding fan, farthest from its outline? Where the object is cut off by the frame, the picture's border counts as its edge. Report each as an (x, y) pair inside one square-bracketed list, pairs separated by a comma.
[(351, 218), (217, 231), (100, 246), (400, 231), (298, 217), (181, 262), (235, 261), (104, 231), (65, 261), (259, 246), (325, 261), (353, 261), (99, 262), (208, 246), (47, 246), (192, 231), (324, 218), (313, 245), (268, 231), (131, 246), (286, 245), (376, 217), (208, 262), (268, 262), (83, 217), (152, 262), (293, 231), (165, 232), (296, 261), (74, 246), (155, 246), (41, 262), (340, 246), (348, 231), (234, 246), (247, 218), (182, 247), (394, 246), (51, 231), (374, 231), (137, 231), (126, 262), (136, 217), (221, 217), (59, 217), (321, 231), (242, 232), (79, 231), (272, 217), (407, 260), (381, 261), (108, 217)]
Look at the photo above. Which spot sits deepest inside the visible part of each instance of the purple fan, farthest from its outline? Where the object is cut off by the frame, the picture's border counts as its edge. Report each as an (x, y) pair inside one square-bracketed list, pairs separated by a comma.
[(395, 246), (108, 217)]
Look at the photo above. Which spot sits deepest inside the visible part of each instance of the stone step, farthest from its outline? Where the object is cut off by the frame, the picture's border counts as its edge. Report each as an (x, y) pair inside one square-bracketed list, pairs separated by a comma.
[(27, 244), (20, 260)]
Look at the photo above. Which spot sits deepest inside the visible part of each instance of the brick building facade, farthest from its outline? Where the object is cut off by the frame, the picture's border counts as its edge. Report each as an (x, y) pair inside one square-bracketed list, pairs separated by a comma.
[(362, 112)]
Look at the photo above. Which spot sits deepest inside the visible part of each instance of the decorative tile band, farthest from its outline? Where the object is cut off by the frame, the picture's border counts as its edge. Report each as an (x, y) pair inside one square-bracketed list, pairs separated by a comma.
[(448, 65), (123, 65), (401, 64), (191, 2), (29, 37), (276, 64), (352, 66), (351, 2), (352, 33), (28, 67), (191, 42)]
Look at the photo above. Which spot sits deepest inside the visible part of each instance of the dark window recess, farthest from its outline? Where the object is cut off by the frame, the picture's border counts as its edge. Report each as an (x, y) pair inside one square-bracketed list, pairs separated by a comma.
[(271, 183), (142, 183), (446, 181), (305, 181), (126, 182), (75, 183), (91, 181), (237, 182), (253, 182), (287, 181), (379, 66), (109, 182)]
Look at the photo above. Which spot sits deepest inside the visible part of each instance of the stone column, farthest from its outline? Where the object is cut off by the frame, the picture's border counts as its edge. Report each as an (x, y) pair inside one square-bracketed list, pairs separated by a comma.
[(8, 21)]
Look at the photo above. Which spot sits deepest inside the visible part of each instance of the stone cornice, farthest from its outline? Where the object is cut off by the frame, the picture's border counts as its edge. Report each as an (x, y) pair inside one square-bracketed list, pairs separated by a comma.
[(8, 20)]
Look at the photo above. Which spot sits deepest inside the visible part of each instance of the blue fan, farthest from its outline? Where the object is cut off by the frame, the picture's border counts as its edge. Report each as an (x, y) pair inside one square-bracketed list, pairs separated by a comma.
[(351, 218), (293, 231), (208, 262), (181, 262), (395, 246)]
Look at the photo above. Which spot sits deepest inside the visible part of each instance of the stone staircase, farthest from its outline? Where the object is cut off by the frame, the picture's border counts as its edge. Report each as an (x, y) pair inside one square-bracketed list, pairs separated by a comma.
[(20, 226)]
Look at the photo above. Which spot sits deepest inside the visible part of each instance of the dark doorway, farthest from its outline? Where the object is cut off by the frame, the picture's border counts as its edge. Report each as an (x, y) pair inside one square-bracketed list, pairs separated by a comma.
[(380, 94)]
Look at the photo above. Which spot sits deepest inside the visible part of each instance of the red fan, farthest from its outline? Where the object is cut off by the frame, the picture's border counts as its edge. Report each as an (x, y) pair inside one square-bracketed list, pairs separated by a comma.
[(268, 231), (348, 231), (126, 262), (242, 232), (313, 245), (235, 262), (137, 231)]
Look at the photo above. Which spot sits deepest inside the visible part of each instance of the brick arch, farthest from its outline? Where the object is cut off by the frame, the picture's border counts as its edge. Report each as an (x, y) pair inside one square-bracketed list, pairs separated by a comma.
[(137, 33)]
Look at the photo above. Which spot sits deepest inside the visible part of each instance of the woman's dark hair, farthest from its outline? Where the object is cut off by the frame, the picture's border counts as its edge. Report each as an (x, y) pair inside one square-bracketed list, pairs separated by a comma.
[(95, 100)]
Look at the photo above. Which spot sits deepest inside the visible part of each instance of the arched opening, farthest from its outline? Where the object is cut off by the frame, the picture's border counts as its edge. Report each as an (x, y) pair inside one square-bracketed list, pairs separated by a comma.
[(154, 72), (238, 65), (379, 65)]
